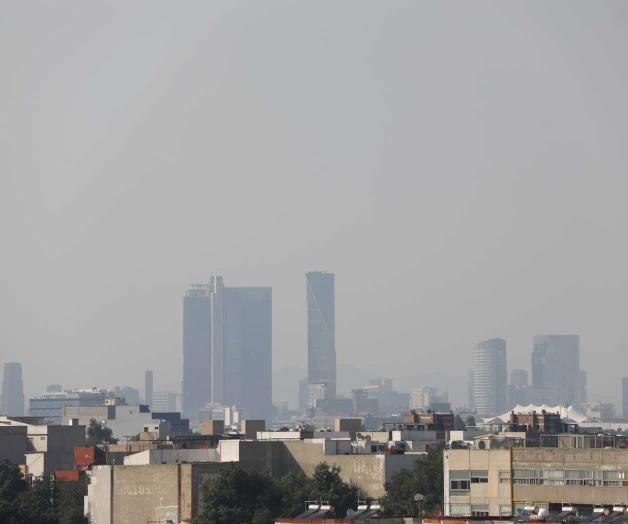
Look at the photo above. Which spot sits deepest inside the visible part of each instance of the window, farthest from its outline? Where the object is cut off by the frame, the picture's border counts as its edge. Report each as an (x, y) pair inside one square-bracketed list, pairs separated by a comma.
[(504, 478), (479, 510), (479, 477), (459, 480), (459, 510), (505, 511)]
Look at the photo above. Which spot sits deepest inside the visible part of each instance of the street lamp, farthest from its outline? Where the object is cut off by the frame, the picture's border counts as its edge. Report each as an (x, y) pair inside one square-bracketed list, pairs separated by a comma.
[(418, 498)]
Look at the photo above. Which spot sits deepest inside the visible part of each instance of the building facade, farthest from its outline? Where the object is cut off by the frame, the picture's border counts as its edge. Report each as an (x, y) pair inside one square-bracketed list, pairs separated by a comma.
[(490, 377), (321, 330), (12, 390), (227, 348), (148, 387), (50, 405), (502, 482)]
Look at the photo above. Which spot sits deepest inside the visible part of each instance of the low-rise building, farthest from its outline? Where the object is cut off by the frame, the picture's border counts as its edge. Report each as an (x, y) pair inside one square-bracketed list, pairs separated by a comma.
[(502, 482), (147, 493)]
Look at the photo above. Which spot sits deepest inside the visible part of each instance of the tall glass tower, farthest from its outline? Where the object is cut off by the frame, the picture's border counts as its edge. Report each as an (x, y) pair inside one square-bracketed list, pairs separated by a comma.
[(321, 330), (12, 390), (490, 377), (227, 348)]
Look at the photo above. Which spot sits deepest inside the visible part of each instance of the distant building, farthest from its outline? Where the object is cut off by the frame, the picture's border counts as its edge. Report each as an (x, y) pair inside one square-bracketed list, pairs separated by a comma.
[(321, 330), (49, 406), (490, 391), (130, 395), (227, 348), (518, 388), (12, 390), (471, 390), (164, 401), (423, 398), (624, 396), (148, 387), (556, 374)]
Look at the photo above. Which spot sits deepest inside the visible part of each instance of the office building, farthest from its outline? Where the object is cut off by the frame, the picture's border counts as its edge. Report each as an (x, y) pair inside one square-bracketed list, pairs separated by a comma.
[(148, 387), (197, 348), (556, 374), (490, 377), (321, 330), (12, 390), (624, 396), (505, 481), (50, 406), (227, 348), (164, 401), (423, 398)]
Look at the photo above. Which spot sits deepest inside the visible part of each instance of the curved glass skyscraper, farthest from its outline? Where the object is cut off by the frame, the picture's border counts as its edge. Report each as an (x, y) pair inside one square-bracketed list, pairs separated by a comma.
[(490, 377)]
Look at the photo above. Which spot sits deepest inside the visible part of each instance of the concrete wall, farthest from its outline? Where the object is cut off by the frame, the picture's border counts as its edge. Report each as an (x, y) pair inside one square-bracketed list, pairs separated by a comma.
[(147, 494), (172, 456), (62, 440), (367, 471), (13, 444)]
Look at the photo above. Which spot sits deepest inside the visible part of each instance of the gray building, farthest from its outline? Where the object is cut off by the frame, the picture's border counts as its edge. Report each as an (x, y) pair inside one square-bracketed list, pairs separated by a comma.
[(50, 405), (12, 390), (490, 377), (148, 387), (227, 348), (624, 396), (556, 374), (197, 347), (321, 330), (518, 388)]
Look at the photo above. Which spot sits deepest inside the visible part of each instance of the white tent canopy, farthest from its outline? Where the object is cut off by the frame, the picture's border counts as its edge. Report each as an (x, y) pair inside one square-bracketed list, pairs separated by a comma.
[(566, 412)]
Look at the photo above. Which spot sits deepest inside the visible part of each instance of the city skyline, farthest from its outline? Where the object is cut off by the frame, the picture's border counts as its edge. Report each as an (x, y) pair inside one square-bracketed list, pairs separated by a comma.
[(468, 196)]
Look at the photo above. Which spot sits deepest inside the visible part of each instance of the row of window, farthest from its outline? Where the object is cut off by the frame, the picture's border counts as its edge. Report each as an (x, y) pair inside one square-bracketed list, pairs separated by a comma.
[(476, 510), (462, 480), (568, 477)]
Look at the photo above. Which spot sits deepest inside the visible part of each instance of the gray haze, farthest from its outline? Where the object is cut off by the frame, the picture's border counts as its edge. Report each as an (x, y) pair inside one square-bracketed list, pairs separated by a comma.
[(460, 167)]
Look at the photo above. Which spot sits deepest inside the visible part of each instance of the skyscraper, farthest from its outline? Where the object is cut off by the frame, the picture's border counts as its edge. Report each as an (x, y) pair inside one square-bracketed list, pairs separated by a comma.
[(148, 387), (490, 377), (321, 330), (624, 396), (556, 374), (197, 347), (12, 390), (227, 348)]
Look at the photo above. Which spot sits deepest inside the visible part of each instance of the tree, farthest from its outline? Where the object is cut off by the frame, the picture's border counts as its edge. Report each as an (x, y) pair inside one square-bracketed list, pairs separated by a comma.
[(425, 478), (45, 502), (327, 485), (11, 486), (238, 495), (470, 421), (458, 423), (98, 433)]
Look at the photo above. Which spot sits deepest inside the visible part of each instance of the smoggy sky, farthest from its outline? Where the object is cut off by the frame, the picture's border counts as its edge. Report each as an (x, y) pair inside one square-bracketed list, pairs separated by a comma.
[(460, 166)]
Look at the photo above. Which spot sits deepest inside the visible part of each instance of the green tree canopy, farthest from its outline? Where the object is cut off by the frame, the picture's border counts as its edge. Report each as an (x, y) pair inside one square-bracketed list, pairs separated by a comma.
[(98, 433), (45, 502), (247, 497)]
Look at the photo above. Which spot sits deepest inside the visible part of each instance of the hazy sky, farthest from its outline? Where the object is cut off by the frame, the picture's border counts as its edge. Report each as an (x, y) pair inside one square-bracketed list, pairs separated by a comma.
[(460, 166)]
